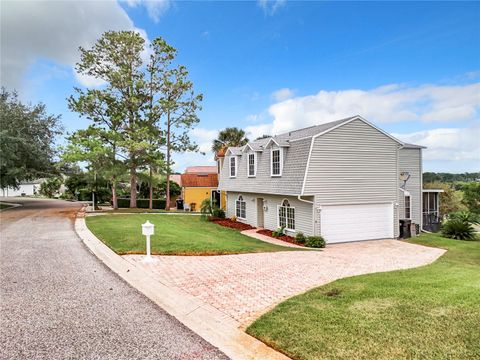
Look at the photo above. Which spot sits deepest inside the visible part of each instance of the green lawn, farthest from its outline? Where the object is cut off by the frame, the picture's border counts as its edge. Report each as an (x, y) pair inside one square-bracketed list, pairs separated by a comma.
[(431, 312), (174, 235), (5, 206)]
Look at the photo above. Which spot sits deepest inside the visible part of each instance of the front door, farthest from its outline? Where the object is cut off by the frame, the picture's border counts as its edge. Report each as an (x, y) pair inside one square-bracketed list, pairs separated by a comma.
[(216, 198), (260, 223)]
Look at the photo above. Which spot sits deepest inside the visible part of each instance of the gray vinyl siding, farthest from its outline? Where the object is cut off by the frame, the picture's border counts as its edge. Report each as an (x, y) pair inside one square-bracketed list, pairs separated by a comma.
[(303, 211), (411, 160), (353, 164), (290, 183)]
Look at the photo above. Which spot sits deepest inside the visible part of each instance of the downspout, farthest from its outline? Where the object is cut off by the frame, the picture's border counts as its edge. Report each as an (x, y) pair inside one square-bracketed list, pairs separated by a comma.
[(299, 197)]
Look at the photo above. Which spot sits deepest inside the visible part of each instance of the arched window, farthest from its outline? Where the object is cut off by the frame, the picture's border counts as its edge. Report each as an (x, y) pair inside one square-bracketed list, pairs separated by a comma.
[(240, 208), (286, 215)]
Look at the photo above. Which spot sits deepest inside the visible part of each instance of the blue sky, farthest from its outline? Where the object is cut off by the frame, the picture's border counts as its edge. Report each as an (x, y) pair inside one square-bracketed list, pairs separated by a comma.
[(412, 68)]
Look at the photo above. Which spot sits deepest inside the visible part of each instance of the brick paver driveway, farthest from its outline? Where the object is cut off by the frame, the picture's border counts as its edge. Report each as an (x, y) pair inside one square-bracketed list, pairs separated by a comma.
[(244, 286)]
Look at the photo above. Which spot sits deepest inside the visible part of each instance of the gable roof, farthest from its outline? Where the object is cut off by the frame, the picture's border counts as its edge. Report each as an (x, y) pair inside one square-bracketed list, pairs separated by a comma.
[(200, 180)]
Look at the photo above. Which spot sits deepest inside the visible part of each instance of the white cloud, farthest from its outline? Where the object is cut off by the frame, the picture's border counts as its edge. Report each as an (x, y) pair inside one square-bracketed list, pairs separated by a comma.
[(269, 7), (155, 8), (283, 94), (204, 138), (390, 103), (458, 144), (32, 30)]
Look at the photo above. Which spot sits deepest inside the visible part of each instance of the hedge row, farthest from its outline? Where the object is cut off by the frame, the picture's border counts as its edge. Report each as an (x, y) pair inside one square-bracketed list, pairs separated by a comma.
[(142, 203)]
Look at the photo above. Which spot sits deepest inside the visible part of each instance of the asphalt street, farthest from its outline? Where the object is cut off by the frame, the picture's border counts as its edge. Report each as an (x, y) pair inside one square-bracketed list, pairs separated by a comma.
[(59, 302)]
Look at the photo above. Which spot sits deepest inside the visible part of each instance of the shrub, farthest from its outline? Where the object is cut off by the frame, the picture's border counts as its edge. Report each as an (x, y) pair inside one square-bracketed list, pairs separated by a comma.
[(466, 217), (278, 232), (206, 209), (300, 238), (457, 229), (142, 203), (315, 242), (218, 213)]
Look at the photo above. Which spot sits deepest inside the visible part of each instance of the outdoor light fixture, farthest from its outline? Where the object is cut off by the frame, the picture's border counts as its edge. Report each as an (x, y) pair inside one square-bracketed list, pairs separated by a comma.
[(148, 230)]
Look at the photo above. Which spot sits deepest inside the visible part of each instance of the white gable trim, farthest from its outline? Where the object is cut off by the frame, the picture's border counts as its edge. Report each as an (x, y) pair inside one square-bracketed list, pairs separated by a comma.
[(358, 117), (276, 143)]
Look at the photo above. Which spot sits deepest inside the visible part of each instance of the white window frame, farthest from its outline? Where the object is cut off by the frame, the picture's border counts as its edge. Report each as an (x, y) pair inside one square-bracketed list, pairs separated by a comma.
[(254, 164), (230, 166), (409, 206), (286, 215), (238, 208), (280, 150)]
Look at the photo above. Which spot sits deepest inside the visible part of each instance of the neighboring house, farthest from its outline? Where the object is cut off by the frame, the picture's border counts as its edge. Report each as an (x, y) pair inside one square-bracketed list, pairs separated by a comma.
[(26, 188), (340, 180), (200, 183)]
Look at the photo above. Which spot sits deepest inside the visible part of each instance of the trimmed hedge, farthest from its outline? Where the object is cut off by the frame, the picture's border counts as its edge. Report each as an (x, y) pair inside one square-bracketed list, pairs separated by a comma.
[(143, 203), (315, 242)]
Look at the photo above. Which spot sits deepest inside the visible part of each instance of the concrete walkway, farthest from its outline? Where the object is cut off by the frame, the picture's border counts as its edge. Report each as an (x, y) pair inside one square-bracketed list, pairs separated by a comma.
[(244, 286)]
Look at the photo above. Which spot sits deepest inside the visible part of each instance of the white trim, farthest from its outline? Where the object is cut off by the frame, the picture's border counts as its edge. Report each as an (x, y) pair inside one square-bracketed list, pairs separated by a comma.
[(433, 190), (357, 117), (271, 162), (272, 139), (286, 215), (407, 194), (230, 166), (254, 165), (240, 201)]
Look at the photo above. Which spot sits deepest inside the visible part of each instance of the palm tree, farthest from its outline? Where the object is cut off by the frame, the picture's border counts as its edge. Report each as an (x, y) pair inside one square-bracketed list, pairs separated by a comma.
[(229, 137)]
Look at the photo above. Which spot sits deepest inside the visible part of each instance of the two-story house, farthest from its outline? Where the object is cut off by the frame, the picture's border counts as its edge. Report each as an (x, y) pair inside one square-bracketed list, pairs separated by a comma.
[(345, 180)]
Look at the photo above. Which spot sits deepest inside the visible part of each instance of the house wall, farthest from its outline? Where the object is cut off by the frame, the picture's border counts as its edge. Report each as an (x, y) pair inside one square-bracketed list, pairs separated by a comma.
[(303, 211), (27, 189), (290, 183), (411, 160), (196, 195), (354, 163)]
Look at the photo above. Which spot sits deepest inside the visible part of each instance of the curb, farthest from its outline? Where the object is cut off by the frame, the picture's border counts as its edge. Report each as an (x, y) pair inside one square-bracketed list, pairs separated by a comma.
[(209, 323)]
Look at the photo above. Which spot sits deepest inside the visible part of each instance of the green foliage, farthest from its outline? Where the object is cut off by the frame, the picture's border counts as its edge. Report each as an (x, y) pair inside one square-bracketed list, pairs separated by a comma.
[(206, 209), (50, 187), (315, 242), (429, 177), (466, 216), (459, 225), (450, 199), (300, 238), (278, 232), (142, 203), (471, 196), (229, 137), (218, 212), (27, 138)]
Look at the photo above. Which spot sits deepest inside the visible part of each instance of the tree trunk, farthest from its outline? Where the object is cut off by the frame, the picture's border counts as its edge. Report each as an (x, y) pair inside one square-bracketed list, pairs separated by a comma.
[(133, 187), (167, 195), (114, 194), (150, 203)]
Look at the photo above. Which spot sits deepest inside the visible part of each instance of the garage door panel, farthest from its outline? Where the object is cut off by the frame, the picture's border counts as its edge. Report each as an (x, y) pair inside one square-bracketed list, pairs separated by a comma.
[(342, 223)]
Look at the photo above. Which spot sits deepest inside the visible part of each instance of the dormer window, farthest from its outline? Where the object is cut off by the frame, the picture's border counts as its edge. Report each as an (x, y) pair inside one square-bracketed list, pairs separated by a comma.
[(233, 167), (251, 165), (276, 162)]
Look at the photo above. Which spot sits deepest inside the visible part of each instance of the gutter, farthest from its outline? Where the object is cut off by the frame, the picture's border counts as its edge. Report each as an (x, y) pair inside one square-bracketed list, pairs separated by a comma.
[(299, 197)]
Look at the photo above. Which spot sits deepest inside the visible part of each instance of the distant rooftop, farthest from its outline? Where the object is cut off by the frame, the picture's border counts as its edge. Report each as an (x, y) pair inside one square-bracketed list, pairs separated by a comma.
[(201, 170)]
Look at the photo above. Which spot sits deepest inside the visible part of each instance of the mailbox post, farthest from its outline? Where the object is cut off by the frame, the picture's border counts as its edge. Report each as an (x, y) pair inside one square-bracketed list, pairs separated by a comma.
[(148, 230)]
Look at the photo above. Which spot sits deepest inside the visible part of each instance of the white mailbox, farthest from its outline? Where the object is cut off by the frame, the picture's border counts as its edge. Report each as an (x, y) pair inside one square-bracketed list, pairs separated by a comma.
[(148, 228)]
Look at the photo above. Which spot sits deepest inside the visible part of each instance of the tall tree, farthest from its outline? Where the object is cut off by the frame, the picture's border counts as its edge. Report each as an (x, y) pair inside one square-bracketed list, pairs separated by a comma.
[(229, 137), (27, 140), (116, 59), (180, 105), (98, 147)]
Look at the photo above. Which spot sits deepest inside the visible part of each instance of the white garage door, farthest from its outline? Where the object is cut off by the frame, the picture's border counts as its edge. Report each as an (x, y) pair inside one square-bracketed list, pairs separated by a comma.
[(340, 223)]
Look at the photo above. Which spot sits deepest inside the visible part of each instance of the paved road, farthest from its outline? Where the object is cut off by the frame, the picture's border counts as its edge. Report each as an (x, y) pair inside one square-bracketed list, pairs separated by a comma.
[(59, 302)]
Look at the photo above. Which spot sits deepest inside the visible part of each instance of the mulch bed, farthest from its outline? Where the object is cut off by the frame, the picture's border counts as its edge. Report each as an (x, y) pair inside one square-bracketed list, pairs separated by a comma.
[(285, 238), (232, 224)]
